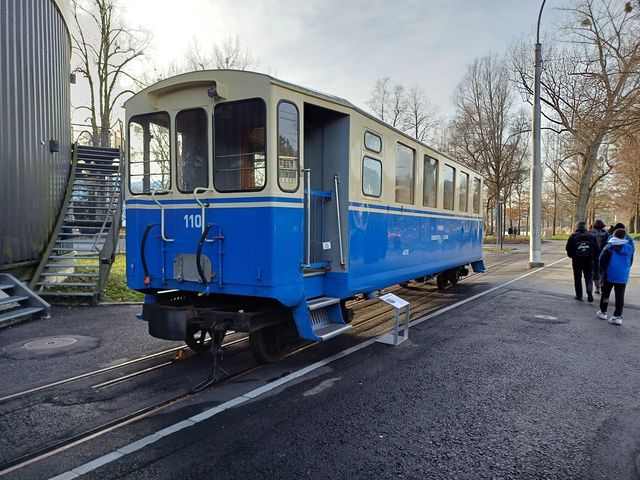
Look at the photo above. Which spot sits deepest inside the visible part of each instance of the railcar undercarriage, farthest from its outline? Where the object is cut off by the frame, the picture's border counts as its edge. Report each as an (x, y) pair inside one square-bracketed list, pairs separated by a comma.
[(196, 318)]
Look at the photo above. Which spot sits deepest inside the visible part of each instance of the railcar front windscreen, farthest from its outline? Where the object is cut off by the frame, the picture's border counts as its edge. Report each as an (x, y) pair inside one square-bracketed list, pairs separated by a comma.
[(240, 146), (192, 162), (149, 153)]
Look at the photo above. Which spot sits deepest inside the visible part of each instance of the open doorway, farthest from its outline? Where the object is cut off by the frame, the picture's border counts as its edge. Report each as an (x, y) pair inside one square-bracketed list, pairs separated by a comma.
[(326, 155)]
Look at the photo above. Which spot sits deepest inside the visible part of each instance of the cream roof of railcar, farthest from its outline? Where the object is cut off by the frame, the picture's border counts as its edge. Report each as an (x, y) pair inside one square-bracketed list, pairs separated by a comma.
[(207, 78)]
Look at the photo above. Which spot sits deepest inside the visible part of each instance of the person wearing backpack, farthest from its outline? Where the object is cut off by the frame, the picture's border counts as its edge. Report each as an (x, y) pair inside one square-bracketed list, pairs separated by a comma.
[(615, 263), (601, 235), (581, 248)]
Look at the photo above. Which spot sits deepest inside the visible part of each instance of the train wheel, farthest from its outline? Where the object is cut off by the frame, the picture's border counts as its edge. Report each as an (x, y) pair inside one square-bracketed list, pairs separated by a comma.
[(196, 338), (268, 344), (442, 280)]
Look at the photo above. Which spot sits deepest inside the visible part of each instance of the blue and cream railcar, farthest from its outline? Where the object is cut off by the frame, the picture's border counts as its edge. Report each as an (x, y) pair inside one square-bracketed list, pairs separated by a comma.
[(260, 206)]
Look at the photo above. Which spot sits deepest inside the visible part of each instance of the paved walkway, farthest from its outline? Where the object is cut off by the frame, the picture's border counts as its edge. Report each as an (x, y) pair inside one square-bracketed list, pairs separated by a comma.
[(521, 382), (524, 382)]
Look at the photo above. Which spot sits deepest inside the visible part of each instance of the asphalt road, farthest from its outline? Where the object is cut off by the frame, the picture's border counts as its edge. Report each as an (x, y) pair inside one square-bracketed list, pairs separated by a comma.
[(523, 382)]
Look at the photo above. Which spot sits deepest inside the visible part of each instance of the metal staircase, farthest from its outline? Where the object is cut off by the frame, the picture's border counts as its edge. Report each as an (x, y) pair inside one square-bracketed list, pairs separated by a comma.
[(18, 303), (77, 261)]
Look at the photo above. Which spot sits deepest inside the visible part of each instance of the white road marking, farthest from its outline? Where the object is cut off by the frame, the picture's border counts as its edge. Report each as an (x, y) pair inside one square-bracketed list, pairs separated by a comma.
[(154, 437), (321, 387)]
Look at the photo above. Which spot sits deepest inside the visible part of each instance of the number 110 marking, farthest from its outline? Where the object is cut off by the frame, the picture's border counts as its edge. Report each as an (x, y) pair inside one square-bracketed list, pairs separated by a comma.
[(193, 221)]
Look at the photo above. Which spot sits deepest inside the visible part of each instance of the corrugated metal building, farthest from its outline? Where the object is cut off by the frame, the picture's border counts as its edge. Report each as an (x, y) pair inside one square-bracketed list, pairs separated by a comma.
[(35, 51)]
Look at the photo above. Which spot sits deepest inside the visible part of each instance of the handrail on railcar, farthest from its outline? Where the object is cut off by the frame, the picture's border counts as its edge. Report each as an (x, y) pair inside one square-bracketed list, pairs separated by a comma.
[(336, 181), (153, 197), (307, 178), (203, 206)]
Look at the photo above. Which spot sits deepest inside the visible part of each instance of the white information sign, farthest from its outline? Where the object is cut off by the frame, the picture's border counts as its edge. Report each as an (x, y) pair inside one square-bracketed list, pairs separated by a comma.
[(393, 300), (398, 304)]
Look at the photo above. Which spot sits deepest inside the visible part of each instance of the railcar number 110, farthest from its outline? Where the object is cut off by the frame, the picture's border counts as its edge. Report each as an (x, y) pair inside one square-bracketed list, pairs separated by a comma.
[(193, 221)]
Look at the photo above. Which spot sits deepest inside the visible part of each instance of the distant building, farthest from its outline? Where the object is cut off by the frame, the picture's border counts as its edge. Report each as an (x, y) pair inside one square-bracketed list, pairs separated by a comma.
[(35, 130)]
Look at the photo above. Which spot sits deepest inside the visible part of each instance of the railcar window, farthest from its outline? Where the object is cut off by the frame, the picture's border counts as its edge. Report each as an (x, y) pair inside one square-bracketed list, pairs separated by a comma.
[(430, 188), (240, 146), (192, 162), (476, 195), (372, 142), (463, 192), (371, 177), (449, 176), (288, 150), (149, 153), (404, 174)]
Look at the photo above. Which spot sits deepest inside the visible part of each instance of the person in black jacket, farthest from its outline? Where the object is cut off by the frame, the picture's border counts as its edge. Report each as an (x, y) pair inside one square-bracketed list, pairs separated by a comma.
[(582, 248), (602, 237)]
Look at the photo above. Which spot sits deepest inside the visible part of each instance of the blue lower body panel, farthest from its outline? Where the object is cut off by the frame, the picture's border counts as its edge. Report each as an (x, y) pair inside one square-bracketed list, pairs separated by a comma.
[(257, 251)]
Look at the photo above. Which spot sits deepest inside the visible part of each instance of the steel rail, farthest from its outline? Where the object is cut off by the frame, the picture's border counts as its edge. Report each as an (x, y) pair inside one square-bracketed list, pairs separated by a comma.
[(80, 438), (66, 444), (93, 373)]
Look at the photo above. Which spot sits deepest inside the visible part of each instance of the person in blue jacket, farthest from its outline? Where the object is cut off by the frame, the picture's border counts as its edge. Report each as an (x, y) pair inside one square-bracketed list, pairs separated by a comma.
[(628, 237), (615, 264)]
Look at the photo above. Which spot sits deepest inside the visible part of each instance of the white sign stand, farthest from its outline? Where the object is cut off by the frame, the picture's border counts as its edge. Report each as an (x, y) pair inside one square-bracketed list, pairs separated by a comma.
[(398, 304)]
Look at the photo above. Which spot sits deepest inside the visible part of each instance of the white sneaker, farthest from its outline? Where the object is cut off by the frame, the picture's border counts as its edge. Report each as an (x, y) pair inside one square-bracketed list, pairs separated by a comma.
[(601, 316), (616, 320)]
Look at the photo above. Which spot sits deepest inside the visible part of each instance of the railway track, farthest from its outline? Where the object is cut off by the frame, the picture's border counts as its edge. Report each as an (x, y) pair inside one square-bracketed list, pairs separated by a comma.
[(354, 304), (368, 316)]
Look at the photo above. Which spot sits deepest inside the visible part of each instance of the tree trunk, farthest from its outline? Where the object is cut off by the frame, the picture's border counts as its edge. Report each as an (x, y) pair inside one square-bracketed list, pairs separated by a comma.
[(584, 191)]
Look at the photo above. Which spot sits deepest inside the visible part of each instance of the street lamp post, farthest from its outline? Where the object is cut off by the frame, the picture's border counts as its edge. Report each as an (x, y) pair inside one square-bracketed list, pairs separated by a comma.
[(535, 218)]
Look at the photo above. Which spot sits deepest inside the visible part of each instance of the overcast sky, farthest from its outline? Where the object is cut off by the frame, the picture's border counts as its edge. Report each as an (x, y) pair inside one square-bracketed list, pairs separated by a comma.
[(342, 46)]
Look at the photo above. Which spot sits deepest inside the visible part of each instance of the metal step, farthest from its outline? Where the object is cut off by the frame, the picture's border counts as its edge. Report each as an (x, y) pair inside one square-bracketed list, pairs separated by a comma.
[(72, 265), (99, 156), (114, 182), (84, 227), (94, 255), (105, 189), (90, 157), (87, 182), (91, 198), (79, 274), (22, 302), (101, 168), (66, 284), (81, 242), (52, 293), (93, 213), (331, 330), (321, 302), (92, 235), (88, 201), (70, 251), (5, 318), (17, 298)]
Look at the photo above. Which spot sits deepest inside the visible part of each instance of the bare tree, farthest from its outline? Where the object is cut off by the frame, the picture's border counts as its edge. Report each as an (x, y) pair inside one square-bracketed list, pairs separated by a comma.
[(590, 83), (380, 98), (421, 117), (397, 106), (230, 55), (628, 179), (488, 133), (105, 48)]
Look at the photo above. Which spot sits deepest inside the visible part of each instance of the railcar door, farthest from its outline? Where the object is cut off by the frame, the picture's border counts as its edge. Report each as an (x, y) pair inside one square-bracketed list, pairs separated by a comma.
[(326, 168)]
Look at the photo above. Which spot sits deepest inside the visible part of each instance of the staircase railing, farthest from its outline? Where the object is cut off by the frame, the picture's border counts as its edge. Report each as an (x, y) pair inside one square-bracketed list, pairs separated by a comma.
[(108, 251), (61, 216)]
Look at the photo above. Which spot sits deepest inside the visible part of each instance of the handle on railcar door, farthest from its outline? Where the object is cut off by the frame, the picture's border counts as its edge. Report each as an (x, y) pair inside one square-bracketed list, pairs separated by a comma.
[(153, 197)]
